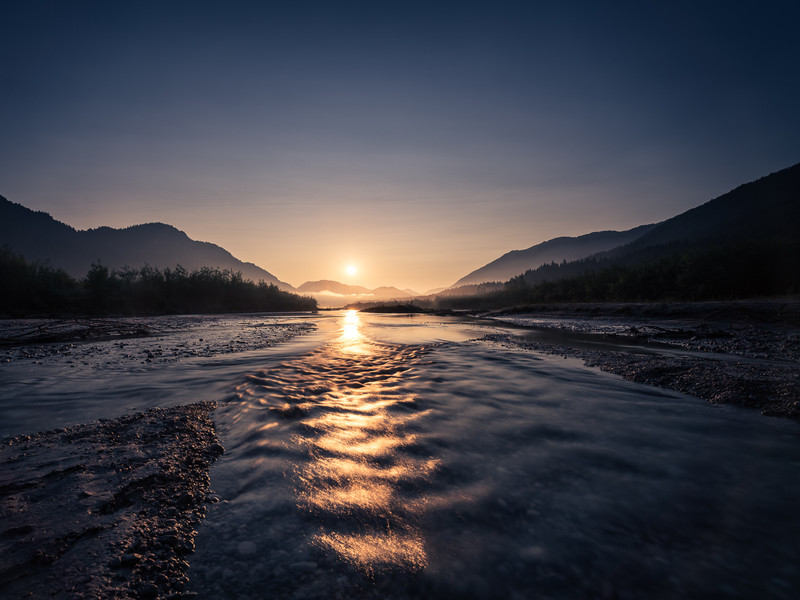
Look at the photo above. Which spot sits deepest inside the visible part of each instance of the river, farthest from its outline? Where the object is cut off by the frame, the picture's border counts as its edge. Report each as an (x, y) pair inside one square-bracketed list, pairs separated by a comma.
[(386, 456)]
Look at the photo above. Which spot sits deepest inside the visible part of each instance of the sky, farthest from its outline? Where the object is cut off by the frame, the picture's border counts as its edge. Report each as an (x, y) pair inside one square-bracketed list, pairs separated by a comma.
[(414, 141)]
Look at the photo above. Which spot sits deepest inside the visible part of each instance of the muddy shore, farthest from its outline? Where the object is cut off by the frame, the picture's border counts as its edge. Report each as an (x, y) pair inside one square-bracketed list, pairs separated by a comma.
[(107, 509), (741, 353)]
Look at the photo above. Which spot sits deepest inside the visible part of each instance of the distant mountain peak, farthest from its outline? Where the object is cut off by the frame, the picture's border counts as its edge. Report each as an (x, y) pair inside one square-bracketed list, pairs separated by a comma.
[(334, 287), (334, 293)]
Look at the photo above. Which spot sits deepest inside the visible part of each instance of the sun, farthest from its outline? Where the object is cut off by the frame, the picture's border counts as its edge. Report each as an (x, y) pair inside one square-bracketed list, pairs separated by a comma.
[(351, 270)]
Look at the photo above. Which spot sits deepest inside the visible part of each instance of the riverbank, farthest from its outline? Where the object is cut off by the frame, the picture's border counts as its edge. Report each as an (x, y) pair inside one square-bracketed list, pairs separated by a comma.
[(108, 509), (783, 311), (741, 353), (144, 340)]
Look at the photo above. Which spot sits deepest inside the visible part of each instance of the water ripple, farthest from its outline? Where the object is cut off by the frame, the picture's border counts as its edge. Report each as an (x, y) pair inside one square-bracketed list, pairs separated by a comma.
[(366, 469), (363, 470)]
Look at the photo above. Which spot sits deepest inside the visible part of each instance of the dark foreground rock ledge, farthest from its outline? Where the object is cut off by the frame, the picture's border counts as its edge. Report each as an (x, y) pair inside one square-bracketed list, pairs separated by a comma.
[(108, 509)]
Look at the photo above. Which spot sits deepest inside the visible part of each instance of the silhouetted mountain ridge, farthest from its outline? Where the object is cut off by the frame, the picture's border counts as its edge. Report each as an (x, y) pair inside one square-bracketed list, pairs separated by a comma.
[(742, 244), (39, 237), (764, 213), (764, 210), (554, 250)]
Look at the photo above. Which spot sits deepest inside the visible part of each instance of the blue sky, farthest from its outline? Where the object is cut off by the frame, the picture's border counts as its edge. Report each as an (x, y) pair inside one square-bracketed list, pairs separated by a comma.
[(417, 140)]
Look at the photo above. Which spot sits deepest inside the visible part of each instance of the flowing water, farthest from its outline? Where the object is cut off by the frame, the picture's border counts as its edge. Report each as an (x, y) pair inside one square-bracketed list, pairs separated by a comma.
[(402, 457)]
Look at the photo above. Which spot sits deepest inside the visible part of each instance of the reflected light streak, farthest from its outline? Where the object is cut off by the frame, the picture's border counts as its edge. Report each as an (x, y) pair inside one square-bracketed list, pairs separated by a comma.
[(361, 496), (356, 443), (377, 550), (352, 340), (364, 466), (345, 469)]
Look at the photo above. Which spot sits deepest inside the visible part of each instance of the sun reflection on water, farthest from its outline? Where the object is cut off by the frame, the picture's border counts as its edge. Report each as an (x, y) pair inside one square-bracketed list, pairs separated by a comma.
[(371, 550), (362, 472), (352, 340), (356, 440)]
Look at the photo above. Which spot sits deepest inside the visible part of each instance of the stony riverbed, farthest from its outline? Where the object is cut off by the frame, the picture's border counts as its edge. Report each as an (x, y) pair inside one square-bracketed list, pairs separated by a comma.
[(106, 510), (144, 341), (745, 354)]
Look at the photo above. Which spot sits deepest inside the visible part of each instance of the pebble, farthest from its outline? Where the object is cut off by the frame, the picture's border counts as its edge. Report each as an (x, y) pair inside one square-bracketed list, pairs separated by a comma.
[(169, 540), (130, 559), (148, 590)]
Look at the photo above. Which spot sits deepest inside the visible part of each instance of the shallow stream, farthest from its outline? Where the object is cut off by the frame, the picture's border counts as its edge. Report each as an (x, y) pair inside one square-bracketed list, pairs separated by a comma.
[(385, 456), (402, 458)]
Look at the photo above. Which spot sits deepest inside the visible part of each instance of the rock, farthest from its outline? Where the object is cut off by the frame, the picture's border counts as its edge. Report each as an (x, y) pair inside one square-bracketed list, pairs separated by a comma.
[(186, 499), (130, 559), (186, 547), (147, 590), (169, 540)]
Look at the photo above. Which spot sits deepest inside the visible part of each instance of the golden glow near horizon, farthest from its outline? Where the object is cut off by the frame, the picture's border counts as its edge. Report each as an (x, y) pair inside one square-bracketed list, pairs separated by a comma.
[(352, 340), (351, 269)]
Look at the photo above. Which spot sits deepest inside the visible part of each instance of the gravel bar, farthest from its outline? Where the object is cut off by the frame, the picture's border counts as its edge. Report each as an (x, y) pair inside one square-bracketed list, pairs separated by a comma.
[(108, 509), (741, 353)]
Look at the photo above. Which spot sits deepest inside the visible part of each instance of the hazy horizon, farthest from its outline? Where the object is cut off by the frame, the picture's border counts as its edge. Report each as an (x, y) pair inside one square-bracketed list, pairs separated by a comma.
[(415, 142)]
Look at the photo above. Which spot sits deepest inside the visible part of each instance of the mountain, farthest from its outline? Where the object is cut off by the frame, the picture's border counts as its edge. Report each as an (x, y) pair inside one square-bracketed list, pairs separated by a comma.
[(765, 210), (742, 244), (434, 291), (555, 250), (757, 221), (755, 224), (332, 293), (390, 292), (331, 287), (39, 237)]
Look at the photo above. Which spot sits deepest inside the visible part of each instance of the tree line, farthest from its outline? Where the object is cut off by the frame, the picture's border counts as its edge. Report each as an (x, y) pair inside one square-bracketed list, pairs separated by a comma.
[(34, 289)]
